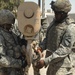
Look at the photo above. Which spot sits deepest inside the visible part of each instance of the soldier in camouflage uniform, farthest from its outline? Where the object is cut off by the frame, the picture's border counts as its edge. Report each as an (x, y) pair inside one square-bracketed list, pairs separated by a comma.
[(59, 41), (35, 57), (42, 32), (38, 39), (12, 59)]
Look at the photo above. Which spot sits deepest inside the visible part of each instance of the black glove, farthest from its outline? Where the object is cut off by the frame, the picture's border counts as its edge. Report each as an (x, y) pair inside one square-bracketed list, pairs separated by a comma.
[(24, 62)]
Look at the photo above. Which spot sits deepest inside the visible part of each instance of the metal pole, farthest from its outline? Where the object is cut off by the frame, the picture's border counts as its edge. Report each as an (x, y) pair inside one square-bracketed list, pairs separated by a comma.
[(39, 3), (43, 8)]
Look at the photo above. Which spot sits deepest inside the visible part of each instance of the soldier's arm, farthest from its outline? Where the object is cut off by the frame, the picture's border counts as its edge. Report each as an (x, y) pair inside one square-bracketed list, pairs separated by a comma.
[(64, 48), (6, 61), (42, 45)]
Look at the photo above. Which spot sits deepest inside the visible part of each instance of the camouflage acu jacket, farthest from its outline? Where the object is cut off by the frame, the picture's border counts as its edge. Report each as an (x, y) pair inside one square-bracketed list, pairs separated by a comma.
[(60, 39), (10, 50)]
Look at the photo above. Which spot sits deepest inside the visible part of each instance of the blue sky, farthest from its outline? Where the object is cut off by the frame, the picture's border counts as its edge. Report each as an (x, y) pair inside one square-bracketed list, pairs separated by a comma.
[(47, 6)]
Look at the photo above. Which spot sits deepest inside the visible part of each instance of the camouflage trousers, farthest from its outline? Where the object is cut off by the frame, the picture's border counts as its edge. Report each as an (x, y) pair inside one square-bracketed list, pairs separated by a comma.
[(54, 70), (11, 71)]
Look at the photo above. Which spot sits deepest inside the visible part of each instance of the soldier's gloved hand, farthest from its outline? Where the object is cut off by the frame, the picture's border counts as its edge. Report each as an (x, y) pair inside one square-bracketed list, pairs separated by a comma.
[(40, 64), (24, 61), (24, 64)]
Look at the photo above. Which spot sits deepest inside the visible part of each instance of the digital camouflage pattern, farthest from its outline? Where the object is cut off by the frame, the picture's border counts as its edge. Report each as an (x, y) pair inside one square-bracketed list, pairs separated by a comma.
[(10, 53), (6, 17), (36, 57), (59, 41), (61, 5), (38, 39), (12, 60)]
